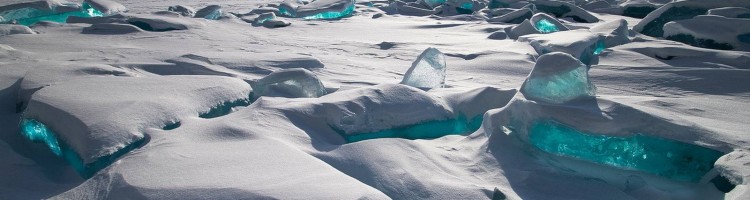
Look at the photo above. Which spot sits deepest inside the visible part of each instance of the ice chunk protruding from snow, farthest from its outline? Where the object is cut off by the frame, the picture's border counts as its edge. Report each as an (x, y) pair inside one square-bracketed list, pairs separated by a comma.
[(524, 28), (582, 44), (514, 17), (558, 78), (710, 31), (547, 24), (667, 158), (33, 12), (614, 32), (428, 71), (434, 3), (212, 12), (325, 9), (564, 9), (290, 83), (652, 25)]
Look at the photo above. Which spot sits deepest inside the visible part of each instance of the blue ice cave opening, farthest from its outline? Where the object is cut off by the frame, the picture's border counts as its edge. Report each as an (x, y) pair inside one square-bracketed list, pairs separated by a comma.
[(31, 16), (545, 26), (426, 130), (225, 108), (36, 131), (667, 158)]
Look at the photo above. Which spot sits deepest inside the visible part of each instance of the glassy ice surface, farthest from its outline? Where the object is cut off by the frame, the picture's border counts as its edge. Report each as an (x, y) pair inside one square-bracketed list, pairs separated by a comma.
[(38, 132), (212, 12), (545, 26), (599, 47), (434, 3), (30, 16), (667, 158), (428, 130), (558, 83), (290, 83), (428, 71), (333, 14)]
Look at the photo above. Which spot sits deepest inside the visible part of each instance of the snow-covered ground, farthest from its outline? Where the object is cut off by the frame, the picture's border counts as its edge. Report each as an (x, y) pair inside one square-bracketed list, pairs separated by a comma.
[(149, 104)]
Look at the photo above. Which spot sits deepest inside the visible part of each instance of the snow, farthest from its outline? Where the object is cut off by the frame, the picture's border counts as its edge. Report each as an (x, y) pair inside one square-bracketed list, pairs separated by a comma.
[(172, 116), (709, 31), (547, 24), (212, 12), (290, 83), (107, 7), (514, 17), (565, 9), (427, 71), (730, 12), (8, 29)]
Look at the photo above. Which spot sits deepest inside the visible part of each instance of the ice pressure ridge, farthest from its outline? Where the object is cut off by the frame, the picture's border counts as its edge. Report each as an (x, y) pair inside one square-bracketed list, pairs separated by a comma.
[(36, 131), (290, 83), (318, 9), (30, 15), (667, 158), (427, 130)]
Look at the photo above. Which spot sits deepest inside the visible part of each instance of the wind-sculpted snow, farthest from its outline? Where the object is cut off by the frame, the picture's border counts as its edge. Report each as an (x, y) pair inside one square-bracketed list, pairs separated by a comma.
[(427, 71), (582, 44), (10, 29), (708, 31), (183, 10), (731, 12), (515, 17), (653, 23), (87, 126), (33, 12), (614, 32), (674, 160), (558, 78), (291, 83)]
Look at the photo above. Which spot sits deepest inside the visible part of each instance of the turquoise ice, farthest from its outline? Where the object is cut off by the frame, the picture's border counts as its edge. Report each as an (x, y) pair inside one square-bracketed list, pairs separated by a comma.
[(30, 16), (333, 14), (428, 71), (38, 132), (434, 3), (545, 26), (667, 158), (427, 130)]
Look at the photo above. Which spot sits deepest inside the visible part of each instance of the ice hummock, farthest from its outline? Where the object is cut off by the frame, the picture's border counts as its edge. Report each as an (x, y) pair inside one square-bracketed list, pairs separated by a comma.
[(427, 71), (731, 12), (582, 44), (653, 23), (110, 118), (565, 9), (558, 78), (32, 12), (514, 17), (106, 7), (324, 9), (212, 12), (710, 31), (667, 158), (547, 24), (290, 83), (615, 32)]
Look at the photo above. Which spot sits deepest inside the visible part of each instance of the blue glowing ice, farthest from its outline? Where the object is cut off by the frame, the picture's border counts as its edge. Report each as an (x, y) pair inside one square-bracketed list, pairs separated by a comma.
[(212, 12), (558, 78), (428, 71), (667, 158), (545, 26), (30, 16), (333, 14), (434, 3), (38, 132)]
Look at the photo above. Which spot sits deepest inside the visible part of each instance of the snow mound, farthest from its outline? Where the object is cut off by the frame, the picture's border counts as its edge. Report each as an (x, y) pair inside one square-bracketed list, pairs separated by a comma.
[(47, 74), (161, 23), (563, 9), (515, 17), (256, 63), (638, 8), (652, 25), (615, 32), (733, 166), (558, 78), (110, 118), (582, 44), (708, 31), (524, 28), (731, 12), (498, 35), (678, 54), (427, 71), (290, 83), (10, 29), (183, 10), (107, 7)]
